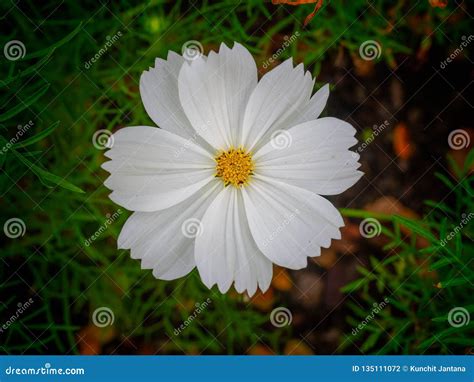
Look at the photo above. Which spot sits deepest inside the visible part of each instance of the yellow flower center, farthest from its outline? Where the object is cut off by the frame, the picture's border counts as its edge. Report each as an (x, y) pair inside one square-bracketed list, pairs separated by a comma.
[(234, 166)]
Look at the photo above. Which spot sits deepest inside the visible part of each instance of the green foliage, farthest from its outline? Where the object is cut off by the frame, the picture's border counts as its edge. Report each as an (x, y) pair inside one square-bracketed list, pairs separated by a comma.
[(426, 276)]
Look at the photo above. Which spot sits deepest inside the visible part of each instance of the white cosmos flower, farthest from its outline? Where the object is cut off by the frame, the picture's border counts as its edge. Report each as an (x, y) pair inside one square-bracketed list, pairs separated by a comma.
[(231, 181)]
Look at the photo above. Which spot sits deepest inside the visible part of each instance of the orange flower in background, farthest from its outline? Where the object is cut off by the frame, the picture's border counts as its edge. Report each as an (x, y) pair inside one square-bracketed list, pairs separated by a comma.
[(402, 144), (438, 3), (319, 4)]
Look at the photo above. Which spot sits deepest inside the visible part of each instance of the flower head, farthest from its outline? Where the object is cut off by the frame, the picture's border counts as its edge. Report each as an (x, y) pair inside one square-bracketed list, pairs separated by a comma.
[(231, 181)]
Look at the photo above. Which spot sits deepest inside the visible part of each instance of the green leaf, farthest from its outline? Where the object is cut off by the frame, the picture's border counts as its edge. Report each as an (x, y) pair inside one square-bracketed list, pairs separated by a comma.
[(38, 137), (24, 103), (48, 179), (415, 226), (371, 341)]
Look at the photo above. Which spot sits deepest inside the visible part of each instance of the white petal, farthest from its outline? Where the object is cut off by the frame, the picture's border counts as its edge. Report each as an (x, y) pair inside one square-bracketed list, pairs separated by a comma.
[(152, 169), (226, 250), (164, 240), (215, 91), (289, 223), (313, 109), (159, 92), (279, 93), (316, 157)]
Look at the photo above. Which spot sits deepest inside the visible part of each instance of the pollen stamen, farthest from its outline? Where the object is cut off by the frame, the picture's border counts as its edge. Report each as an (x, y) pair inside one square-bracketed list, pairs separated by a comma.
[(234, 166)]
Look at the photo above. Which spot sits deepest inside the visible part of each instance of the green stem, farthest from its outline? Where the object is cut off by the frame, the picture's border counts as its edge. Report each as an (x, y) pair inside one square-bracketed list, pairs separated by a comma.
[(353, 213)]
